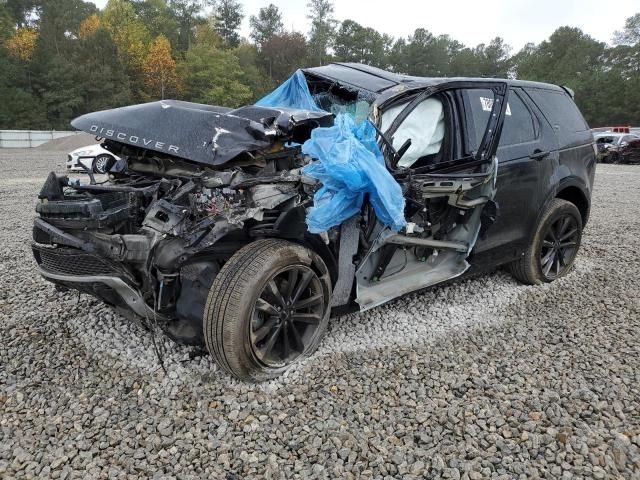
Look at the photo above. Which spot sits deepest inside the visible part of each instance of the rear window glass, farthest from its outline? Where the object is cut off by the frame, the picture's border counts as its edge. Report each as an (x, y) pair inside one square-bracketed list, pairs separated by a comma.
[(560, 110), (519, 125), (478, 105)]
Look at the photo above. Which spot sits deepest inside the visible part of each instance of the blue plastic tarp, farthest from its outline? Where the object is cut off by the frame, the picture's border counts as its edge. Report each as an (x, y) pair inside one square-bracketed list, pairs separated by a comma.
[(349, 165), (293, 93)]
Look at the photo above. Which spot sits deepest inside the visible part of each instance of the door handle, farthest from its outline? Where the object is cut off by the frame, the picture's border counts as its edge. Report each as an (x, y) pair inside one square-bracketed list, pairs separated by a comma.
[(539, 154)]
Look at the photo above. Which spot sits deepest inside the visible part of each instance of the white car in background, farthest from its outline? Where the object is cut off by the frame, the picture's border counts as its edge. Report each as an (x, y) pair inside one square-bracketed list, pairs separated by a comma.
[(610, 144), (93, 157)]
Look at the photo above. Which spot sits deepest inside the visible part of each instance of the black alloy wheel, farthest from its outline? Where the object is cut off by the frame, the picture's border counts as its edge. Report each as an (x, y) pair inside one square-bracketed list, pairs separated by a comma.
[(553, 248), (287, 315), (559, 247), (268, 307)]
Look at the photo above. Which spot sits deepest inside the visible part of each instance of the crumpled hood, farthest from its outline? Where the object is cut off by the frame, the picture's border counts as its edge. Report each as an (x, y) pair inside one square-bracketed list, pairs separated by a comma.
[(202, 133)]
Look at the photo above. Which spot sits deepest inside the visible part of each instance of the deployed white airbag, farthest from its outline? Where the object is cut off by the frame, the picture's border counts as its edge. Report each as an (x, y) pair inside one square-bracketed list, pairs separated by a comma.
[(424, 126)]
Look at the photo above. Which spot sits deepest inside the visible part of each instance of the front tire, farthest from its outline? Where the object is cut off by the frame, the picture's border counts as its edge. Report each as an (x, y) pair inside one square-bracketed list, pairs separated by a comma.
[(553, 248), (268, 307), (614, 158)]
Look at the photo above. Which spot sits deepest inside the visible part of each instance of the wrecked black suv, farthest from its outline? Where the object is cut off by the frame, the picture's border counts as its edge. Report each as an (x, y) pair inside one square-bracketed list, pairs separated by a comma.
[(203, 225)]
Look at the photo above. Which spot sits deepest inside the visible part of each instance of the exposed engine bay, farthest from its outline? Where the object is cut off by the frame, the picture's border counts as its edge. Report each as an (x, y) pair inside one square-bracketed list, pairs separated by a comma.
[(150, 238), (162, 228)]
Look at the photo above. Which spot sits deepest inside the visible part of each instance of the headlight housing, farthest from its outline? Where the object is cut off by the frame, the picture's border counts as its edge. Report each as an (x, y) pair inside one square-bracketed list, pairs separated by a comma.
[(84, 153)]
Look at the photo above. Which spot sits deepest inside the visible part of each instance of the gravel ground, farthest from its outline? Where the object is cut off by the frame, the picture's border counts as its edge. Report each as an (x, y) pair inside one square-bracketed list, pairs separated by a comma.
[(483, 378)]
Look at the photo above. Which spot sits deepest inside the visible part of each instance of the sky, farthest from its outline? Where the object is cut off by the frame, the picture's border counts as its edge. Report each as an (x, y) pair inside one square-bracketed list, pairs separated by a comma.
[(468, 21)]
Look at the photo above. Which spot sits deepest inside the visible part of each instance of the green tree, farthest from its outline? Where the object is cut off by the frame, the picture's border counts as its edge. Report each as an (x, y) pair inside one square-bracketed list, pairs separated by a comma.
[(59, 23), (493, 60), (74, 69), (132, 39), (572, 58), (188, 14), (253, 76), (568, 57), (322, 32), (6, 22), (131, 36), (213, 76), (206, 34), (267, 24), (158, 18), (55, 82), (23, 12), (20, 107), (228, 19), (630, 35), (355, 43), (426, 54), (283, 54), (101, 73)]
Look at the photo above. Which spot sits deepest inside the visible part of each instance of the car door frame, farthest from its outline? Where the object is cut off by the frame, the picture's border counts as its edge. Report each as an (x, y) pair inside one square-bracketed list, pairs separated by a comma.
[(526, 174), (416, 95), (373, 290)]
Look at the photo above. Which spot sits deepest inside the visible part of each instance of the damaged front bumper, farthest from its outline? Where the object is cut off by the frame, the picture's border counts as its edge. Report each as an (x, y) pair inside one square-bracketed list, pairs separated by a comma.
[(151, 246)]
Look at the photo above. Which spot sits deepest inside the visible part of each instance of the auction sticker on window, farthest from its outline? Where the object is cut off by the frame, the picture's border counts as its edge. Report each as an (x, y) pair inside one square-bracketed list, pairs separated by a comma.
[(487, 105)]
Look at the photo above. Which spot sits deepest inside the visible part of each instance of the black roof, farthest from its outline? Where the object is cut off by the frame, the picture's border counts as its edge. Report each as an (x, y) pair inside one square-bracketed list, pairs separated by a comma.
[(377, 80)]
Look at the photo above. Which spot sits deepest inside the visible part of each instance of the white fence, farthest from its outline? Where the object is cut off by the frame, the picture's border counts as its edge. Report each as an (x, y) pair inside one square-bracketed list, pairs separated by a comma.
[(29, 138)]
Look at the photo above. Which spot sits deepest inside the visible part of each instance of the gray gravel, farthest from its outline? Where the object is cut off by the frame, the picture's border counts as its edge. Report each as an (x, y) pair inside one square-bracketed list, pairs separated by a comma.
[(484, 378)]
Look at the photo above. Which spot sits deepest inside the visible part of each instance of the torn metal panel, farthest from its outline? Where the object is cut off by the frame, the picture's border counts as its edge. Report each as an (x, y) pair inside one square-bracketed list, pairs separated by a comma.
[(420, 260), (349, 241)]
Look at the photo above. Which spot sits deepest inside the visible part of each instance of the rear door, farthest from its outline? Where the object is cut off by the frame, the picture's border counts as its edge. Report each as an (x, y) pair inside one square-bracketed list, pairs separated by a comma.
[(527, 155), (576, 161)]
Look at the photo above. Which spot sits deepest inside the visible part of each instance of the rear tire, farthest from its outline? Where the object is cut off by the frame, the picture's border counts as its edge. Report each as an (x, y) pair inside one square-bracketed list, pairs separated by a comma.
[(553, 248), (268, 307)]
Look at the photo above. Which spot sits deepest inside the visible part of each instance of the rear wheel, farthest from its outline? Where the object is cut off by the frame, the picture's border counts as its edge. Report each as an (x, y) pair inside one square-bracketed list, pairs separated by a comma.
[(553, 249), (267, 308)]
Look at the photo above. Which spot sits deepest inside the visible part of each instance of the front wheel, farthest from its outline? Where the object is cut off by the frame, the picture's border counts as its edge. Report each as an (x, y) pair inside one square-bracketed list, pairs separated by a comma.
[(102, 163), (614, 158), (268, 307), (553, 248)]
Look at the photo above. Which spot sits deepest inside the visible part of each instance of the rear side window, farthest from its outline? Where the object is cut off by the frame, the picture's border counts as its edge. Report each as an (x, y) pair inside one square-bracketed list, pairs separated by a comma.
[(560, 110), (519, 125)]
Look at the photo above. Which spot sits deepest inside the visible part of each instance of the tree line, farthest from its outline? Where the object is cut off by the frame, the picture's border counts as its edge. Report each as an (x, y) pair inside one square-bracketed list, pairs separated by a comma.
[(62, 58)]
